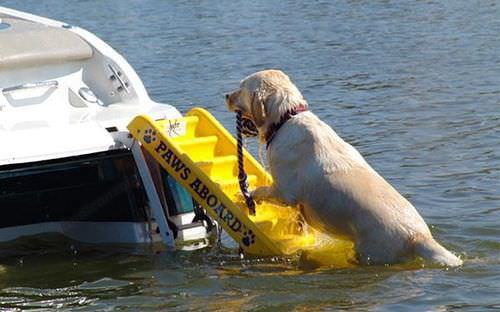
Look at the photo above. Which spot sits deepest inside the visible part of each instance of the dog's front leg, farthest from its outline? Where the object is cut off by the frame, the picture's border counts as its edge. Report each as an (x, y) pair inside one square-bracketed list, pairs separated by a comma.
[(269, 194)]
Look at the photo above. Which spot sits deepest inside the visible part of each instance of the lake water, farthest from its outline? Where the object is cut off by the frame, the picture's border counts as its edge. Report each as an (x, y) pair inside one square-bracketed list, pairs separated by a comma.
[(414, 85)]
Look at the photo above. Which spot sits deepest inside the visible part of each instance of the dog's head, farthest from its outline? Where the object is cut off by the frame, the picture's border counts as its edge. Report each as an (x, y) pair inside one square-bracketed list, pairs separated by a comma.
[(264, 97)]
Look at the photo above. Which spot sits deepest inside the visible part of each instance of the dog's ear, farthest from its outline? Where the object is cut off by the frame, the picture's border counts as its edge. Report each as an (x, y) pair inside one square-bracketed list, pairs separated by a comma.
[(258, 108)]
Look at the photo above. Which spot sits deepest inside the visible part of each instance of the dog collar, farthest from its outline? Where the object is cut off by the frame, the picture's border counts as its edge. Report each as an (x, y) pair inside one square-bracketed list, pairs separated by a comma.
[(273, 129)]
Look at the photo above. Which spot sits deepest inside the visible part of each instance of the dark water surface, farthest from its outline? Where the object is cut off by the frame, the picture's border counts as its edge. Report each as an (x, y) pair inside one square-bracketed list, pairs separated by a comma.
[(414, 85)]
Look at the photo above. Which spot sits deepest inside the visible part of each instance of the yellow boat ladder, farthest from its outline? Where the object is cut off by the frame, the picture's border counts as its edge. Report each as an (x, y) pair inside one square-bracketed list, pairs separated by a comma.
[(200, 154)]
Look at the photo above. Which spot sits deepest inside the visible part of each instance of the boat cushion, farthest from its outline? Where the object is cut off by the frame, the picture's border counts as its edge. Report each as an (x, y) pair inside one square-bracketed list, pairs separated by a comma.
[(27, 44)]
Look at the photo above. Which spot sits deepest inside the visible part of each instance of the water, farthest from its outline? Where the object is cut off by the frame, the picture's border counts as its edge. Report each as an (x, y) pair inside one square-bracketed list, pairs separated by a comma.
[(414, 85)]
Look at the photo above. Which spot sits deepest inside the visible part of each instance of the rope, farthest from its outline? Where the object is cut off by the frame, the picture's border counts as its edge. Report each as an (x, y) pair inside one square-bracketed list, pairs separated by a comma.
[(242, 176)]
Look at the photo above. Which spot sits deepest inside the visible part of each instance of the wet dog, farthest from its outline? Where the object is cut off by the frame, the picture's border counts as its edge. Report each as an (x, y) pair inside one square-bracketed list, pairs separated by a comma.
[(338, 191)]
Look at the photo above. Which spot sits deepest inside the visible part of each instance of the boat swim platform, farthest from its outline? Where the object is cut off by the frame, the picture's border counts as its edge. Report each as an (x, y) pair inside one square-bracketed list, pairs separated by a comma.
[(200, 154)]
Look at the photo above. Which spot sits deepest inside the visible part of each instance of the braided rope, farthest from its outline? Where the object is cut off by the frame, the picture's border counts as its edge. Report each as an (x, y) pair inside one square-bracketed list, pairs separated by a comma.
[(242, 176)]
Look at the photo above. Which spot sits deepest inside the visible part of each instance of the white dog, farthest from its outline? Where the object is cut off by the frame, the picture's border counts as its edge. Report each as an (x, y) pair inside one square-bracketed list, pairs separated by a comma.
[(338, 191)]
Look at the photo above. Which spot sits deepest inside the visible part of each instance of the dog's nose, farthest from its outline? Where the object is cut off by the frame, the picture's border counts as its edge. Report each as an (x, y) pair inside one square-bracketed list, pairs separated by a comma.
[(226, 96)]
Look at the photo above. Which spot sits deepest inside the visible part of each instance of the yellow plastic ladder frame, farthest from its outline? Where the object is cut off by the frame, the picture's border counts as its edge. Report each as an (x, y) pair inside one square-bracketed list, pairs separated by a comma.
[(167, 149)]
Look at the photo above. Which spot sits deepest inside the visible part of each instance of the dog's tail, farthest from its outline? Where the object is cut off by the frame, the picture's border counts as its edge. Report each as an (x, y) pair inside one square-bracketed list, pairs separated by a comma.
[(432, 251)]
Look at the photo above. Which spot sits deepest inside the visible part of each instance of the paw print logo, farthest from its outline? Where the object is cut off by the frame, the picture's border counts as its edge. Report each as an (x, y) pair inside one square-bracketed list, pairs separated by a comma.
[(149, 136), (248, 238)]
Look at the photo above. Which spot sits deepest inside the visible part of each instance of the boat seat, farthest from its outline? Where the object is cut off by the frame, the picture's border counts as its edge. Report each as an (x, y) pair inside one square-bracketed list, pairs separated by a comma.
[(27, 44)]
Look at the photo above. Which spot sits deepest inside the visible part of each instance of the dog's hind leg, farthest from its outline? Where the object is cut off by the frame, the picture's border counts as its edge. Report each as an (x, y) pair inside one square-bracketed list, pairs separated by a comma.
[(376, 251)]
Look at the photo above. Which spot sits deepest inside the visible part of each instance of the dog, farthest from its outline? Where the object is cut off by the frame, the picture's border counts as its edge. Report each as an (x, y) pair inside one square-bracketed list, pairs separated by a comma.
[(337, 190)]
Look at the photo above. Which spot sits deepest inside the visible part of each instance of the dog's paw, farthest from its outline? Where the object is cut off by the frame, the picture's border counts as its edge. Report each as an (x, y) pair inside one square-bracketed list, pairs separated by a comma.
[(260, 193), (257, 200)]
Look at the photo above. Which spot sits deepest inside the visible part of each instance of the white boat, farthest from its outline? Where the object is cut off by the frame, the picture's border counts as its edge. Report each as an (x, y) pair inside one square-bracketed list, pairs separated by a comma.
[(67, 162)]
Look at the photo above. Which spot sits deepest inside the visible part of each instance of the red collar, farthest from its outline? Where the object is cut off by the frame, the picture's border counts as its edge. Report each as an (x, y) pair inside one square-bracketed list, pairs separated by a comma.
[(273, 129)]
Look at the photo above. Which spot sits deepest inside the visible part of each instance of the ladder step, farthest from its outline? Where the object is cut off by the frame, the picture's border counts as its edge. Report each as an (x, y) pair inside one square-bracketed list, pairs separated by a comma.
[(202, 148), (234, 182), (221, 167)]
